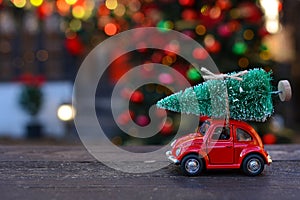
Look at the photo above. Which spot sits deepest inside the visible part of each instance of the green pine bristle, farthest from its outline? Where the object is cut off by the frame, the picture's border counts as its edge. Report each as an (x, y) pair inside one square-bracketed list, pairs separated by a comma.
[(249, 99)]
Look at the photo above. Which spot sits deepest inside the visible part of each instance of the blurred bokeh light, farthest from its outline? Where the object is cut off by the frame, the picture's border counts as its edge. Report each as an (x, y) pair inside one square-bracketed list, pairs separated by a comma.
[(52, 37)]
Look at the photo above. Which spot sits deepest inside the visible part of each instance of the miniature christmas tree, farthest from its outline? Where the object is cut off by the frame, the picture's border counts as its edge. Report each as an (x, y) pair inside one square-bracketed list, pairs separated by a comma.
[(248, 97)]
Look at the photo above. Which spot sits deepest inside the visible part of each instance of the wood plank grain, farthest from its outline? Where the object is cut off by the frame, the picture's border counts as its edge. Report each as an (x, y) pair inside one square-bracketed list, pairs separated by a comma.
[(69, 172)]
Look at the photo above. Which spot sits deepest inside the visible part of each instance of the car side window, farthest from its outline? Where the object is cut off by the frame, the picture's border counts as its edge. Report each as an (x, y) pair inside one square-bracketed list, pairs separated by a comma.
[(242, 135), (221, 133)]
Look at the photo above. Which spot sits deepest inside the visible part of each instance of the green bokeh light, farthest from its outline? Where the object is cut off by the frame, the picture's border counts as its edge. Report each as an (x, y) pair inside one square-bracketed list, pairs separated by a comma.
[(193, 74), (239, 48)]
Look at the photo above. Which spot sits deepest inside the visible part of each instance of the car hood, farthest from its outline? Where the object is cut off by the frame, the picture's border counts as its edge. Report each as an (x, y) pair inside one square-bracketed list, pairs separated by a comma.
[(189, 139)]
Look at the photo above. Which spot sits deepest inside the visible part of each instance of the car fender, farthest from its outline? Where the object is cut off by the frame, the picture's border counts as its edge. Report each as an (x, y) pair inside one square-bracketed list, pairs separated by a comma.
[(195, 151), (248, 151)]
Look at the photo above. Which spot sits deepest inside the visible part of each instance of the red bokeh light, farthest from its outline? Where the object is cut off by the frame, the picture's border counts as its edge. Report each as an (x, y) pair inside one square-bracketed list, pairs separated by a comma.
[(137, 97), (187, 2), (110, 29), (269, 138), (200, 53)]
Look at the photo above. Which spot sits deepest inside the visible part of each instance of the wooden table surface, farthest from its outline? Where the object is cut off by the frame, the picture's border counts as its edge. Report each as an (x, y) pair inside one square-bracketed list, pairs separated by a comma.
[(69, 172)]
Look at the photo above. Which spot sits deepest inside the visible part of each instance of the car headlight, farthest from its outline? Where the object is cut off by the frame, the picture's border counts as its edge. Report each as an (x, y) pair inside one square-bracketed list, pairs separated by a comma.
[(172, 143), (178, 150)]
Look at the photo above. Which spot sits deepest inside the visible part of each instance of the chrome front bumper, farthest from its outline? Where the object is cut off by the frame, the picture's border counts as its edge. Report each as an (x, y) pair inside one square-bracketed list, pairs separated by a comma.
[(171, 158), (269, 159)]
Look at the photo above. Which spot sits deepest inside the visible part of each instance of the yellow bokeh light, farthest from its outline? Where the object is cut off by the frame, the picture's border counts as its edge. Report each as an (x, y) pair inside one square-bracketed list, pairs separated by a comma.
[(87, 14), (111, 4), (204, 10), (71, 2), (19, 3), (200, 30), (78, 12), (66, 112), (36, 3), (169, 24), (265, 55), (243, 62), (75, 25), (248, 34), (270, 8), (89, 5), (120, 10), (209, 40), (167, 60), (272, 26)]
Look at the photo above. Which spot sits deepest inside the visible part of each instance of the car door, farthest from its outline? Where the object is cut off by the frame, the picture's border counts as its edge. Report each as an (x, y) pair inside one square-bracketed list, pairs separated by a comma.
[(220, 145)]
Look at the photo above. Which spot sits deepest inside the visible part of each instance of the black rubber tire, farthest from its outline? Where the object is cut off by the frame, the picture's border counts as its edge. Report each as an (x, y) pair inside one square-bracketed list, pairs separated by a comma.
[(192, 165), (253, 165)]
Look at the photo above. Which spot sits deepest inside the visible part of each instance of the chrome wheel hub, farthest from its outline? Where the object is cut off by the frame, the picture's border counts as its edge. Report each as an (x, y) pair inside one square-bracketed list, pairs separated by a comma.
[(254, 165), (192, 165)]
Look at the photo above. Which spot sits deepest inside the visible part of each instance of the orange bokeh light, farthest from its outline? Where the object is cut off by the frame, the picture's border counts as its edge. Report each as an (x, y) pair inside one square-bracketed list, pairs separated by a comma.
[(45, 10), (62, 7), (110, 29)]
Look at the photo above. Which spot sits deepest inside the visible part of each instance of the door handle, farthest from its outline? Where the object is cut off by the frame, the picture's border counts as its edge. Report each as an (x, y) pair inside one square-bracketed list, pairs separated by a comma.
[(228, 146)]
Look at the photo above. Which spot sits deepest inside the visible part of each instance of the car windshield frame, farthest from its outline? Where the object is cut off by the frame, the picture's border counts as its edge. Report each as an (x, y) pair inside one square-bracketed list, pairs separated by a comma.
[(204, 127)]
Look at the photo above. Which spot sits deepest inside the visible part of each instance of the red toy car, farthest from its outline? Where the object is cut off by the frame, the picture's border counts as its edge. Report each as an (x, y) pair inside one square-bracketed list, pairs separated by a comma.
[(217, 146)]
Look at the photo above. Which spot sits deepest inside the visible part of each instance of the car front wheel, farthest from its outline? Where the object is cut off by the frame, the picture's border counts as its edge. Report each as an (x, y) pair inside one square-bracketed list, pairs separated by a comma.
[(192, 165), (253, 165)]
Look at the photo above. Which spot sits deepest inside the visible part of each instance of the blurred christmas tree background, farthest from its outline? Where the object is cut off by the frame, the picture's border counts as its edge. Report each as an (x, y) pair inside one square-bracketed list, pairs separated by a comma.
[(235, 34)]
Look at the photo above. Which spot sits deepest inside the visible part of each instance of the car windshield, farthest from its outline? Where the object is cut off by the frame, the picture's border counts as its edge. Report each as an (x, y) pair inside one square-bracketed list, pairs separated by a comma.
[(204, 127)]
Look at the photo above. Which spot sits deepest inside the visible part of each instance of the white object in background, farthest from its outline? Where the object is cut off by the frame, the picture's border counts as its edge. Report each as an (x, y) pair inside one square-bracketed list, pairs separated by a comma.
[(13, 119)]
